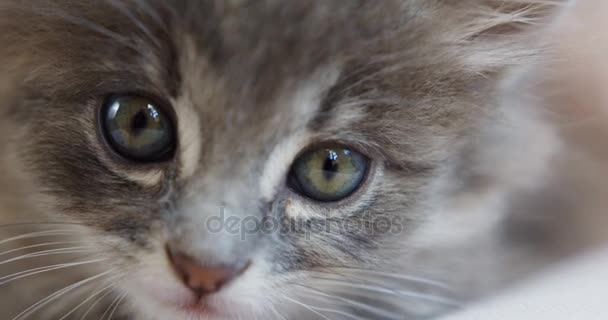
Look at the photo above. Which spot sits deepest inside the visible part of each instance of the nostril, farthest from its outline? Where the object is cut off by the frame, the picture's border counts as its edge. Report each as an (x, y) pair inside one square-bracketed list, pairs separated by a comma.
[(199, 278)]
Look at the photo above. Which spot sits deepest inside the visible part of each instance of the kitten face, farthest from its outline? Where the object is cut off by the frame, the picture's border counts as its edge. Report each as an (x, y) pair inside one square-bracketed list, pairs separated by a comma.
[(247, 89)]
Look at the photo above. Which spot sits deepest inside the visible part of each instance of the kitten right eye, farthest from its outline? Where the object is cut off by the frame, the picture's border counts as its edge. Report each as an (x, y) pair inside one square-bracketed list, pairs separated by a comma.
[(329, 174), (136, 128)]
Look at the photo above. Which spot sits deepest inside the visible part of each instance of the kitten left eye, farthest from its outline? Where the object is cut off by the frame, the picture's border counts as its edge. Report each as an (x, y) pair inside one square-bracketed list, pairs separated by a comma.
[(328, 174), (137, 128)]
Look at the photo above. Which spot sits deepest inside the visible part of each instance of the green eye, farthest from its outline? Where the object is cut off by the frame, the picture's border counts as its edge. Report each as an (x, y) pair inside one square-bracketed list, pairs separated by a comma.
[(137, 129), (328, 174)]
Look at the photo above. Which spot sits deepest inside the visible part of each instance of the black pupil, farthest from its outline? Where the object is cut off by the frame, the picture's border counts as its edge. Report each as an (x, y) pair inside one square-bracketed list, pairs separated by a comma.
[(139, 122), (330, 166)]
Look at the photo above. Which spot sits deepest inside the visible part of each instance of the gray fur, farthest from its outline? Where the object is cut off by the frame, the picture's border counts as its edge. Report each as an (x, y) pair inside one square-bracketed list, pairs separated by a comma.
[(416, 90)]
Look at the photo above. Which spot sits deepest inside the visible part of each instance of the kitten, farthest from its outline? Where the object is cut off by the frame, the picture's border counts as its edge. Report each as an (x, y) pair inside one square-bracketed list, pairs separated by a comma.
[(271, 159)]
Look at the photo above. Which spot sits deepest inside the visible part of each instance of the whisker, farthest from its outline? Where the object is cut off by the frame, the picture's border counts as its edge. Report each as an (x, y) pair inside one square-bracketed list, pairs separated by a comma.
[(94, 304), (307, 307), (37, 223), (367, 307), (86, 300), (48, 244), (152, 14), (421, 280), (38, 234), (415, 280), (47, 253), (118, 298), (403, 293), (34, 271), (343, 313), (116, 306), (277, 313), (336, 311), (89, 25), (137, 22), (40, 304)]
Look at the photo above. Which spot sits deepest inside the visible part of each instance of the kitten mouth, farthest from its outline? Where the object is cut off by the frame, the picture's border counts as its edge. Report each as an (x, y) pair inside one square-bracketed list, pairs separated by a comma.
[(200, 307), (189, 306)]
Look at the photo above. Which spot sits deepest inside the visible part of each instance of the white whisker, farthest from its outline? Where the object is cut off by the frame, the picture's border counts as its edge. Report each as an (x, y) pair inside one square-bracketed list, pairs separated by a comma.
[(402, 293), (119, 5), (85, 301), (116, 306), (88, 25), (94, 304), (384, 314), (307, 307), (151, 12), (47, 253), (40, 304), (115, 301), (277, 313), (398, 276), (48, 244), (39, 234), (336, 311), (22, 274)]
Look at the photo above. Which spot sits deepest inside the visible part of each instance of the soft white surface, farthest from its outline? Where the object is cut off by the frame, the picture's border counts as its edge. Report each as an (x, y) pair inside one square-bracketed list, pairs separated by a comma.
[(573, 291)]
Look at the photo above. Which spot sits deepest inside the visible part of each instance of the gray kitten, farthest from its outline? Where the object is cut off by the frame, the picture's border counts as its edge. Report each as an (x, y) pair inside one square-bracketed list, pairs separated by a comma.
[(272, 159)]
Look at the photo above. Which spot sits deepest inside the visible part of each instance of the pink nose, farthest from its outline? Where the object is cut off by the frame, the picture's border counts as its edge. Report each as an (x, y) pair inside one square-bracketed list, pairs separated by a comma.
[(202, 280)]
